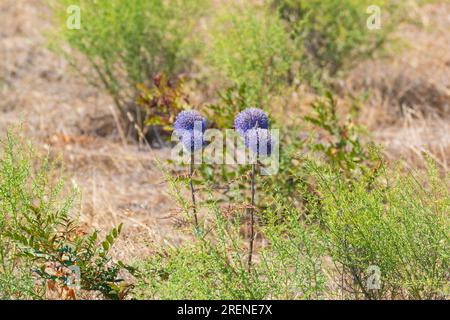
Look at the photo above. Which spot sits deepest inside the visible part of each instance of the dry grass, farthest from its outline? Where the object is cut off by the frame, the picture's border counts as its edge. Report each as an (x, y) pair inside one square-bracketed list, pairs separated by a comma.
[(408, 111), (61, 112)]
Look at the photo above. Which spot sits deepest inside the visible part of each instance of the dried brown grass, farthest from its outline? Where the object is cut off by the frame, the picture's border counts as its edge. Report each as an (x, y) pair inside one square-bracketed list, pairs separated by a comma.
[(408, 107)]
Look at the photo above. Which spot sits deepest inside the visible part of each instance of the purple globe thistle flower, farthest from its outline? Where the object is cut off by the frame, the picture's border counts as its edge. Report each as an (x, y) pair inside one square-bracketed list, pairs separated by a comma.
[(189, 120), (192, 140), (251, 118), (260, 141)]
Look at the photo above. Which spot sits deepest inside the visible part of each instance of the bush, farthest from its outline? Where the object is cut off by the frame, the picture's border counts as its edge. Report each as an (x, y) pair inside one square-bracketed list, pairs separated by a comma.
[(130, 42), (41, 244), (250, 46), (397, 226), (267, 47), (332, 35), (161, 103), (343, 147)]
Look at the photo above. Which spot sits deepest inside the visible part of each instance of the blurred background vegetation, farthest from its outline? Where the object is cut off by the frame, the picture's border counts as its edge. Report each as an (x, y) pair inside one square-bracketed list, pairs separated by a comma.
[(267, 47)]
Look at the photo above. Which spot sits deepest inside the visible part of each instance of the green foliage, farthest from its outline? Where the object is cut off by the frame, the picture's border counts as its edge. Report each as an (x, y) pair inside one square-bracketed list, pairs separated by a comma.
[(16, 282), (268, 47), (130, 42), (398, 224), (250, 47), (70, 249), (265, 46), (289, 181), (232, 101), (20, 188), (391, 222), (345, 207), (292, 261), (344, 148), (159, 105), (214, 264), (333, 35), (39, 238), (321, 223)]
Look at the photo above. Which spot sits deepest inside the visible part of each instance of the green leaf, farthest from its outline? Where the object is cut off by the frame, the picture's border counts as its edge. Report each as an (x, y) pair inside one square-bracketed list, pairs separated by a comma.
[(110, 239), (105, 245)]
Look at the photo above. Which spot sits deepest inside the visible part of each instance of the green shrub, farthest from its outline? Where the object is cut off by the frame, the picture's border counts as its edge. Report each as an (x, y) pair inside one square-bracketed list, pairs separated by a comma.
[(398, 225), (250, 46), (130, 42), (343, 145), (40, 241), (160, 104), (333, 35), (292, 262), (268, 47), (231, 101), (16, 282)]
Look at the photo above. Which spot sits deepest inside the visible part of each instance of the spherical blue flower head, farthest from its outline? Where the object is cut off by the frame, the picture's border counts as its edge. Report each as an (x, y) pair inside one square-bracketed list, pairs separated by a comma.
[(192, 140), (251, 118), (189, 120), (260, 141)]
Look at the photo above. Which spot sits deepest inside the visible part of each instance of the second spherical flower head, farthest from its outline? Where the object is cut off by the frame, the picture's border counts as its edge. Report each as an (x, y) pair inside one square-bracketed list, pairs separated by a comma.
[(253, 124), (251, 118)]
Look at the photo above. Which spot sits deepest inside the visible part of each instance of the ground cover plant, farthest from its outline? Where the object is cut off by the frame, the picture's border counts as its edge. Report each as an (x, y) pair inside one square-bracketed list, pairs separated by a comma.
[(43, 248), (130, 43), (170, 149)]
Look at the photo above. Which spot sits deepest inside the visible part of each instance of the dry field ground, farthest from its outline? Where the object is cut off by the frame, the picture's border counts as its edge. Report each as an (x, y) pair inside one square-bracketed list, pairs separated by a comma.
[(408, 111)]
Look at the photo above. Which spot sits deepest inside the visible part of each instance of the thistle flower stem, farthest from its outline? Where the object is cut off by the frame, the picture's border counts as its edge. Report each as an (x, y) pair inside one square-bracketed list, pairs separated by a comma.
[(194, 205), (252, 219)]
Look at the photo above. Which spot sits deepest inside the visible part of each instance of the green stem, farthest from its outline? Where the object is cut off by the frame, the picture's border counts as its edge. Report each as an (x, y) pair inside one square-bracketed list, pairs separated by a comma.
[(252, 219), (194, 205)]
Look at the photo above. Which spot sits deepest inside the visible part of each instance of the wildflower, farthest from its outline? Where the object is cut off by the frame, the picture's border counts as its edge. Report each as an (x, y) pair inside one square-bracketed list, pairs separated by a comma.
[(189, 120), (253, 125), (190, 127), (251, 118), (260, 141)]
